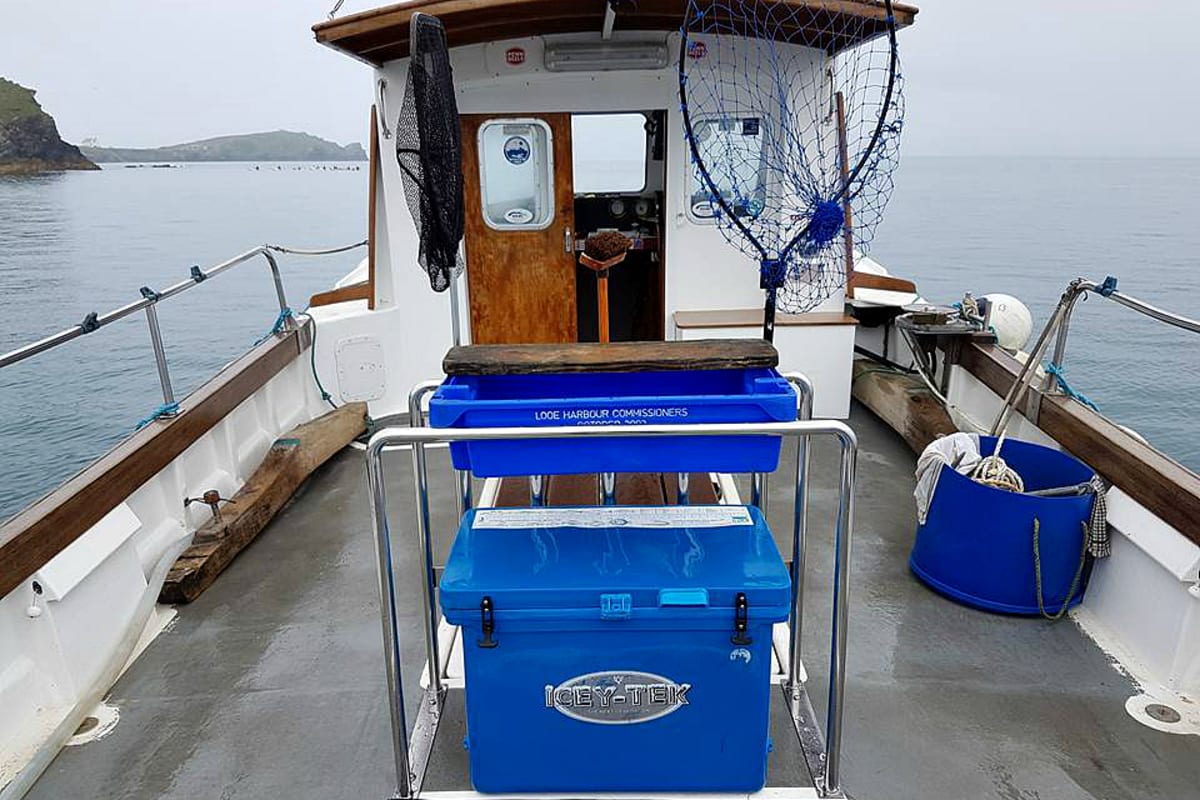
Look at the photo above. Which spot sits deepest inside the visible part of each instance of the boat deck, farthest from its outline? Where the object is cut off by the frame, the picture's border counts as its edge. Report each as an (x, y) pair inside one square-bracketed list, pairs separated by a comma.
[(271, 684)]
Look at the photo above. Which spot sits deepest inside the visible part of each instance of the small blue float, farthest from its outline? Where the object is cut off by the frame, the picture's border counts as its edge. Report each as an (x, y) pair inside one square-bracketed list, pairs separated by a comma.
[(977, 543)]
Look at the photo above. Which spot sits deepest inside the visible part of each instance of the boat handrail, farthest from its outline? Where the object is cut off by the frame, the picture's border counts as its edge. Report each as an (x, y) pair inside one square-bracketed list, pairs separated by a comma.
[(1059, 324), (150, 300)]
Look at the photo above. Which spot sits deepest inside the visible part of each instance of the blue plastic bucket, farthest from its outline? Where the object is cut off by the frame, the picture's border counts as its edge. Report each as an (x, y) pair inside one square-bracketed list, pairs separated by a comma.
[(615, 398), (976, 545)]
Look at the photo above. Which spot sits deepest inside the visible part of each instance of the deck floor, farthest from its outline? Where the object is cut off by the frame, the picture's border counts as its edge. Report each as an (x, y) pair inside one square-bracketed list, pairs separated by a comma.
[(271, 684)]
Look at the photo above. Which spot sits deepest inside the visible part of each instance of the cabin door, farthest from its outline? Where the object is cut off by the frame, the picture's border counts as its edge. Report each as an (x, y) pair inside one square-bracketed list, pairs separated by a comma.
[(520, 224)]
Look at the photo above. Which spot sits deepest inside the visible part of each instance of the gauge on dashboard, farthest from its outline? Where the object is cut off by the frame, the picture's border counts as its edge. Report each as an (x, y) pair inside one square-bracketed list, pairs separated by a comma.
[(642, 208), (617, 207)]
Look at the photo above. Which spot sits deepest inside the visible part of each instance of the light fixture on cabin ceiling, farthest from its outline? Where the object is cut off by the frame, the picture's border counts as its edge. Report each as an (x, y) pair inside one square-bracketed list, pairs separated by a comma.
[(605, 56)]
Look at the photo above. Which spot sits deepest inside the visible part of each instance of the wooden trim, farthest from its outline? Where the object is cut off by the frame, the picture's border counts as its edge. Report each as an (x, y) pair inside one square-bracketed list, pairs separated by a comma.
[(538, 359), (865, 280), (1164, 486), (44, 529), (372, 211), (380, 35), (753, 318), (342, 294)]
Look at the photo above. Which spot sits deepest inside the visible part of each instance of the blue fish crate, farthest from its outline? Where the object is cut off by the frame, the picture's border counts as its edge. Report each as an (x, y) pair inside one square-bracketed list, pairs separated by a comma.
[(615, 398), (620, 649)]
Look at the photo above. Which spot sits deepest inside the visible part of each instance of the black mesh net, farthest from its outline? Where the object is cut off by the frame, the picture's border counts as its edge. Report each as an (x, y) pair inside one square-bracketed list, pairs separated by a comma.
[(429, 150), (793, 114)]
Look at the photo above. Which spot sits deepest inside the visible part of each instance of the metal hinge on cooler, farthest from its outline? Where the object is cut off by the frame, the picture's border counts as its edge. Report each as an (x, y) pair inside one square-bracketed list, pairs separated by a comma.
[(487, 622), (741, 620)]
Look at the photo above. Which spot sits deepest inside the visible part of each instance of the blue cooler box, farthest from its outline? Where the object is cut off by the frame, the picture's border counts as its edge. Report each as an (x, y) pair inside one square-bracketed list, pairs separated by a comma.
[(615, 398), (616, 649)]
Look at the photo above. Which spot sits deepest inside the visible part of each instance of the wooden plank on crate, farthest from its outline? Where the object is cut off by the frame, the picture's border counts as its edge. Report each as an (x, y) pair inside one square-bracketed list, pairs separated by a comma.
[(46, 528), (291, 459), (611, 357), (902, 401), (1164, 486), (753, 318), (342, 294)]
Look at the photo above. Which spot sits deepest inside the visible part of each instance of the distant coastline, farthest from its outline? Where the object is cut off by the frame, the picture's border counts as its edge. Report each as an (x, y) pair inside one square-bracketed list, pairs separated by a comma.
[(269, 146)]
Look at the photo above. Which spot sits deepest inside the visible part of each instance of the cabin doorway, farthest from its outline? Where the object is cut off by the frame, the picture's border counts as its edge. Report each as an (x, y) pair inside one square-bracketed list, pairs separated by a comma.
[(536, 185)]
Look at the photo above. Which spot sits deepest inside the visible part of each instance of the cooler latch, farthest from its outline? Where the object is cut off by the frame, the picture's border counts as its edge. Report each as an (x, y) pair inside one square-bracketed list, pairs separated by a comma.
[(487, 622), (616, 606), (741, 620)]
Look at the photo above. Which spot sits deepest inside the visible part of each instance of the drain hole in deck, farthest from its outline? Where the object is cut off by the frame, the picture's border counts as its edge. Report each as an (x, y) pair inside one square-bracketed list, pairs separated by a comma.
[(1163, 713)]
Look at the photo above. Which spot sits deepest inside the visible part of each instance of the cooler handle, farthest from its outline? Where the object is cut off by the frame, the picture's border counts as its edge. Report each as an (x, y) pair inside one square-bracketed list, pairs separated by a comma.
[(682, 597)]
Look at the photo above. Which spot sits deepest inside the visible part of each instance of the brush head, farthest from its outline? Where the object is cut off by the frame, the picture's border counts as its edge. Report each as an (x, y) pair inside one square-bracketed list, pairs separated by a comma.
[(606, 245)]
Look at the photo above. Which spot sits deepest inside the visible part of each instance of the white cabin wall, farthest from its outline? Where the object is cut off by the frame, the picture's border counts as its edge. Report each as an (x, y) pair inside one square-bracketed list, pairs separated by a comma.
[(702, 270)]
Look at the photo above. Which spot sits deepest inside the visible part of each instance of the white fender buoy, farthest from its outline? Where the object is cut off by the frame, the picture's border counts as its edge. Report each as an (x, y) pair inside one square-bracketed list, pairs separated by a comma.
[(1010, 320)]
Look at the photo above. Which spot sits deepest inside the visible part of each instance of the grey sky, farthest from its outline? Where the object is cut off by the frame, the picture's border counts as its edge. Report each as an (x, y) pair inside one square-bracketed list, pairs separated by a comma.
[(1044, 77)]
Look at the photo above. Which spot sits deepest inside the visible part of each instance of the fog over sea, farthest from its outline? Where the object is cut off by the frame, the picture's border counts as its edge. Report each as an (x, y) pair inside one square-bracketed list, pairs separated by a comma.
[(72, 243)]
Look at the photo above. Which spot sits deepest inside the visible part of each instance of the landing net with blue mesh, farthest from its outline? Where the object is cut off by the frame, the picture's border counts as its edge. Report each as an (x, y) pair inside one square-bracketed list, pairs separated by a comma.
[(792, 112)]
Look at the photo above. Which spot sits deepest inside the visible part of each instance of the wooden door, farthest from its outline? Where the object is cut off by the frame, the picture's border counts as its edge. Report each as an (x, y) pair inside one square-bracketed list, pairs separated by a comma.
[(521, 282)]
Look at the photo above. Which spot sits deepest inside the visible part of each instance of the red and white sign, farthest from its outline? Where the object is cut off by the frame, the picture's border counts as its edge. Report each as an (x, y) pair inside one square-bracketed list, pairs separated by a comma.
[(697, 49), (514, 56)]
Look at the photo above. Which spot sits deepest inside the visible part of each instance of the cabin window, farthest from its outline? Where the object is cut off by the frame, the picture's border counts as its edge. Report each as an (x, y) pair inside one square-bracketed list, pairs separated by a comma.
[(608, 153), (516, 174), (732, 149)]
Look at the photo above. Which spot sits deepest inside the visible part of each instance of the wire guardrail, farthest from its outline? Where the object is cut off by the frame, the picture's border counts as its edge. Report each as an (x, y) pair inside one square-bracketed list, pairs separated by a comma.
[(150, 298)]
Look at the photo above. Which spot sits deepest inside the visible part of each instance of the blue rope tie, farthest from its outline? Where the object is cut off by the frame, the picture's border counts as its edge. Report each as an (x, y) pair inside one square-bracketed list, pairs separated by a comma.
[(165, 410), (280, 323), (1057, 372), (1108, 287)]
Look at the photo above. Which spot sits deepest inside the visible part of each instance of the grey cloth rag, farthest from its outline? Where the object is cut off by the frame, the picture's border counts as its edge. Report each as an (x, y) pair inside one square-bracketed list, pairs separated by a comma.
[(959, 451), (1099, 541)]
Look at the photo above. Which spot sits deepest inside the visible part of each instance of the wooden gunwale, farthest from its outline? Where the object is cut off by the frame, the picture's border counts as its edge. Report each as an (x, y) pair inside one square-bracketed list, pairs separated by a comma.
[(44, 529), (1165, 487)]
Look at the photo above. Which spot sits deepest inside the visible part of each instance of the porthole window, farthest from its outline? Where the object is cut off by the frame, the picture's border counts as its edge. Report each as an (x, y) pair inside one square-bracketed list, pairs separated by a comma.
[(516, 174), (732, 150)]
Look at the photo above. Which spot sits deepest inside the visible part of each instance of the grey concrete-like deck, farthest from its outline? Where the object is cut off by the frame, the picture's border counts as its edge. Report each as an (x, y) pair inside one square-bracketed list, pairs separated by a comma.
[(271, 685)]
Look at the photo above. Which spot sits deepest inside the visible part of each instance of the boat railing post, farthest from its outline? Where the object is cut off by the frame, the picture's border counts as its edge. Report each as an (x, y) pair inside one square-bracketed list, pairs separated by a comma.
[(424, 531), (804, 410), (160, 361), (389, 617), (285, 318), (758, 491), (841, 611)]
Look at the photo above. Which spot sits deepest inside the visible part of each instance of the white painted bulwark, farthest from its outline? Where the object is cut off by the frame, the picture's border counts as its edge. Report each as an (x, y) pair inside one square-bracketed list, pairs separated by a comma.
[(58, 646), (1143, 601)]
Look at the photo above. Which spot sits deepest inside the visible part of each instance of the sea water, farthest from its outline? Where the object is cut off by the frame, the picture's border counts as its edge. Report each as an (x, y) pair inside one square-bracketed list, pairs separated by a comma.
[(72, 243)]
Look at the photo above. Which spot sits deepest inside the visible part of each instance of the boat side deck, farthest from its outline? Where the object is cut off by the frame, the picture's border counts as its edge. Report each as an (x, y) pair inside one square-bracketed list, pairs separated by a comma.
[(271, 684)]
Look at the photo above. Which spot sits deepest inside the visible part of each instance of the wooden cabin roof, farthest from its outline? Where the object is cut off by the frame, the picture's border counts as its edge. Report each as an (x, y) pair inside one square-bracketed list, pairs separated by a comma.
[(381, 34)]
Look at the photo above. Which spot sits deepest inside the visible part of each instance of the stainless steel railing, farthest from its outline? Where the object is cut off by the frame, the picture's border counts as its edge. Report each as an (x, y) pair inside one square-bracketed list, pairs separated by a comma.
[(1058, 325), (822, 752), (149, 304)]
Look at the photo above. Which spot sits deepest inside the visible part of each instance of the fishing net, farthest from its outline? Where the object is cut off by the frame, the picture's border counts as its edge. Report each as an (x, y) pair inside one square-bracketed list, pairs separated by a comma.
[(793, 111), (429, 151)]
